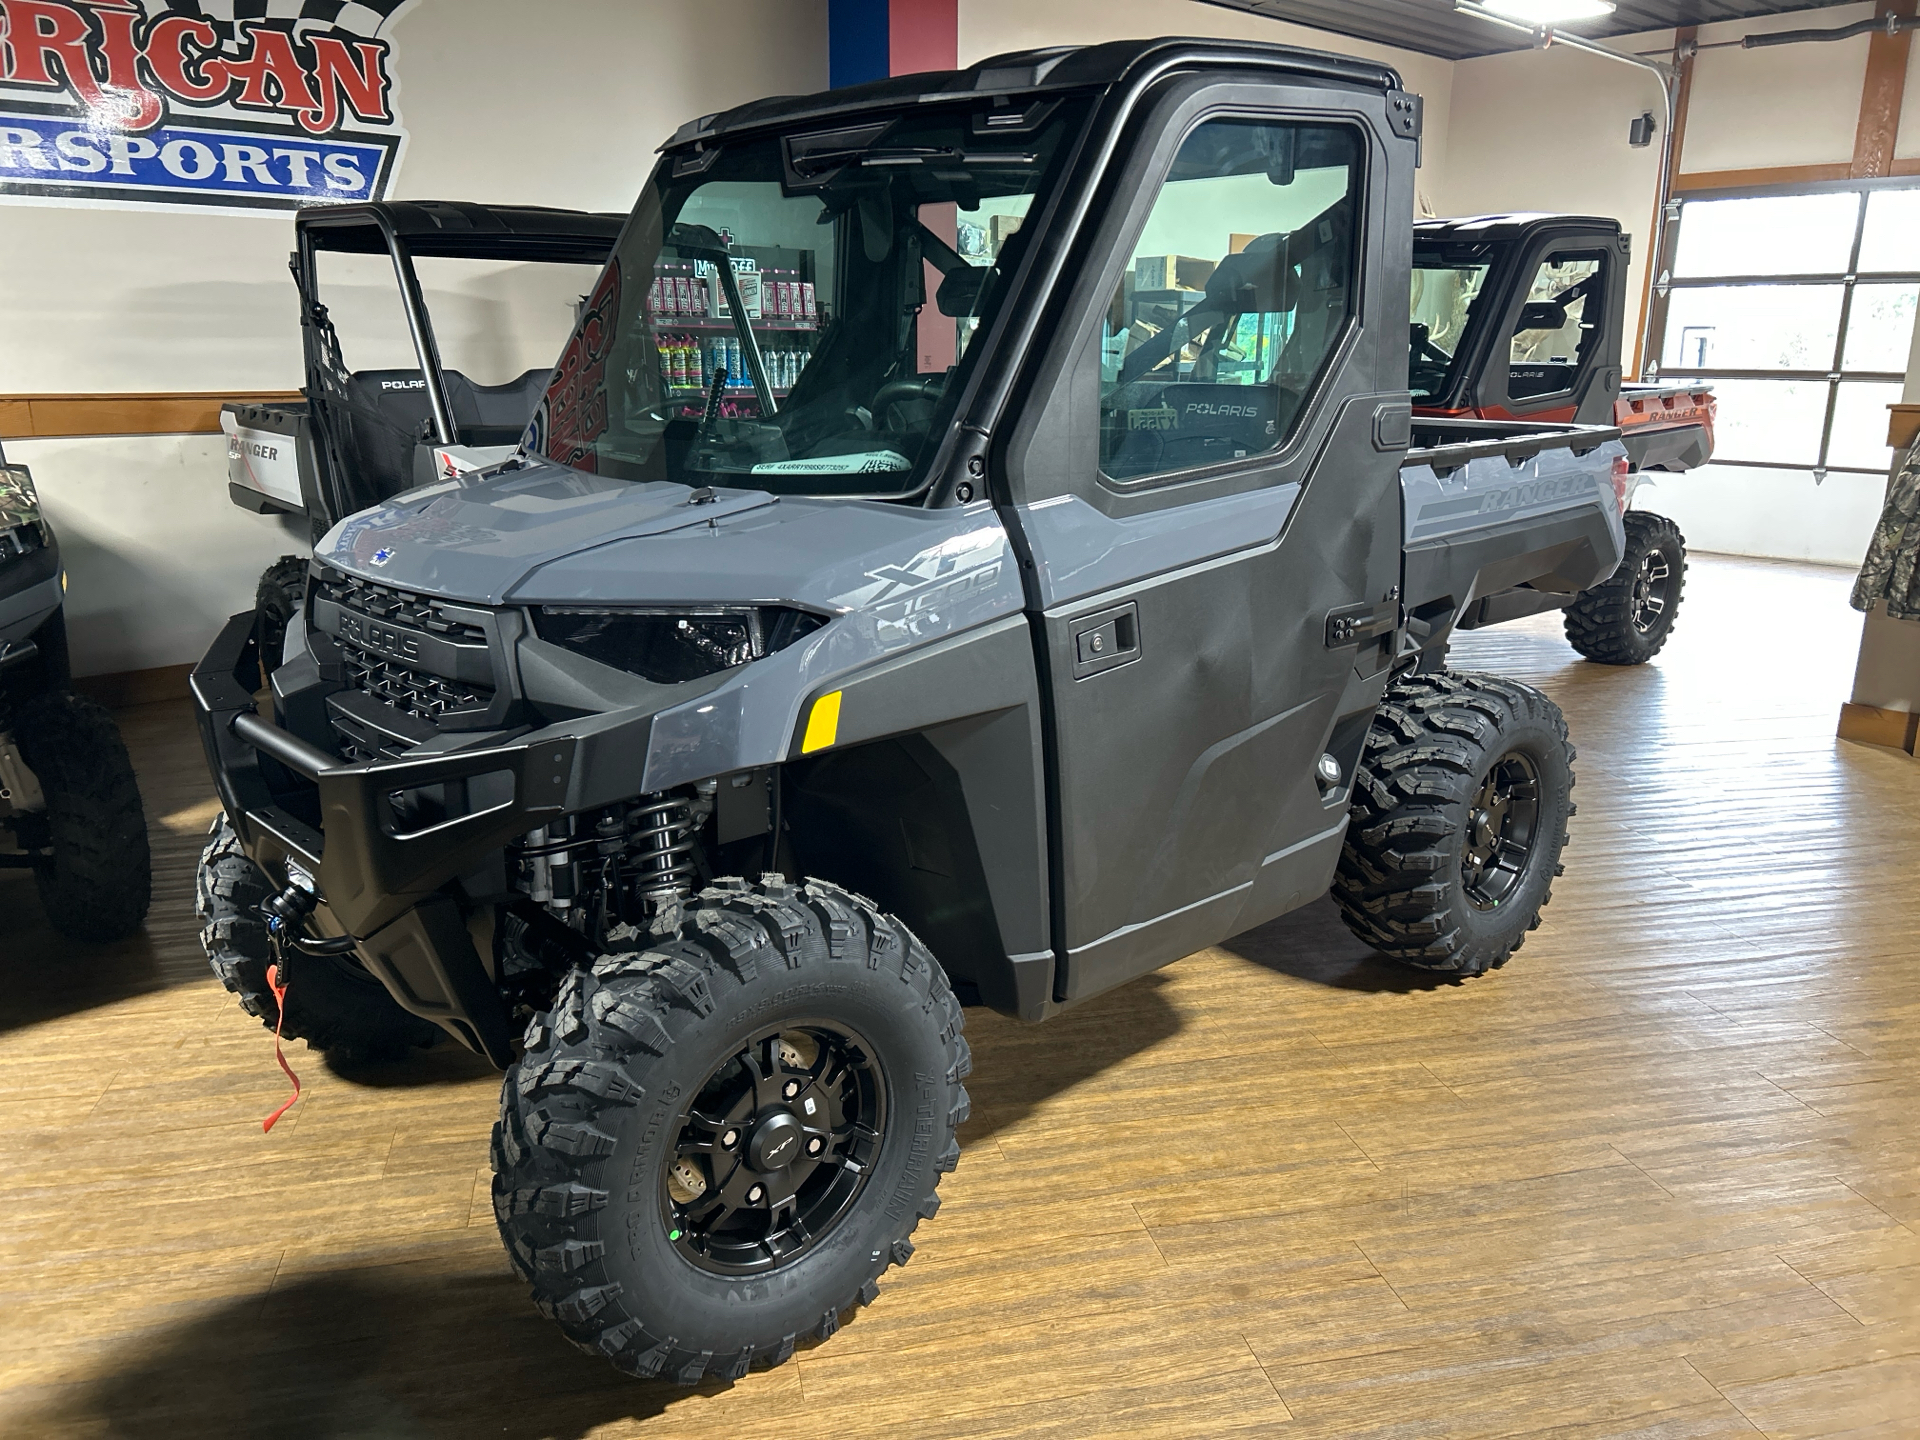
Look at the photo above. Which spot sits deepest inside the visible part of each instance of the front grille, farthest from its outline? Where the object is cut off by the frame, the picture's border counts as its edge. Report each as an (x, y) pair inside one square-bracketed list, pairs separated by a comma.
[(383, 602), (410, 667), (413, 692)]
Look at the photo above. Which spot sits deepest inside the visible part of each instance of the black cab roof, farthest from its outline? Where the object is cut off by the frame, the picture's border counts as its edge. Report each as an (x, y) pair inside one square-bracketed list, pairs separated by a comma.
[(1067, 67), (462, 229), (1498, 229)]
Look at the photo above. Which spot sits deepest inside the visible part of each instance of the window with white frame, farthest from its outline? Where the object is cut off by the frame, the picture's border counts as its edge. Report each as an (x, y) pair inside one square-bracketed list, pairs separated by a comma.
[(1799, 310)]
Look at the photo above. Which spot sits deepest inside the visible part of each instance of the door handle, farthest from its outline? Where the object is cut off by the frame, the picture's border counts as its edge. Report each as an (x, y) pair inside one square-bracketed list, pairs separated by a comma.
[(1105, 640)]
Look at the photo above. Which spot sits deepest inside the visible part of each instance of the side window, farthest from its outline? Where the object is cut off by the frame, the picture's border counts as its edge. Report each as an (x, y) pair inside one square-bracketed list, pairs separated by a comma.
[(1240, 287), (1558, 325)]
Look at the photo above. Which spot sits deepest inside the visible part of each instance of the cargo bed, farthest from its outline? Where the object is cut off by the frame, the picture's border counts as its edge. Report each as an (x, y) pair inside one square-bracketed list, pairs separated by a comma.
[(1505, 518)]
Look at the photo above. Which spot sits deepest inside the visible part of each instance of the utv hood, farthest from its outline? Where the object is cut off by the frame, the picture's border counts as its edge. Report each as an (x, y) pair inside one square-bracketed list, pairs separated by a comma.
[(478, 537)]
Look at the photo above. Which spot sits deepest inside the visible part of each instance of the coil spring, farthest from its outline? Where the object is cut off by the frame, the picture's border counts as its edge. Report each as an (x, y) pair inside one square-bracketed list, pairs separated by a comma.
[(662, 849)]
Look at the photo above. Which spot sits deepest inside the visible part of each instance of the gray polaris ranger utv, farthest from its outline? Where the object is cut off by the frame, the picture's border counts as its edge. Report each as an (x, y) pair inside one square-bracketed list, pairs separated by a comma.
[(1050, 591), (69, 805)]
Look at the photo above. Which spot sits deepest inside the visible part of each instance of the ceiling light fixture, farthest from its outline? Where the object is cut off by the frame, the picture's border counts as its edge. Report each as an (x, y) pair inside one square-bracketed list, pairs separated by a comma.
[(1550, 12)]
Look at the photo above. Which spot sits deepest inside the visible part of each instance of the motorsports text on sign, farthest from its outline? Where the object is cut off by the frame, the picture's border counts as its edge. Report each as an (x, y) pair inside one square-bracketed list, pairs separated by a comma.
[(275, 103)]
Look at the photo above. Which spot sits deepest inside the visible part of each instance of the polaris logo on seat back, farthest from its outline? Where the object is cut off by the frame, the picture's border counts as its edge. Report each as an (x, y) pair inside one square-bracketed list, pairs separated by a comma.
[(247, 103)]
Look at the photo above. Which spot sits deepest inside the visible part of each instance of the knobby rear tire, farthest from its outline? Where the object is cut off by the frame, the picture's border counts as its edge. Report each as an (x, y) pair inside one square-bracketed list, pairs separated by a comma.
[(1401, 883), (1602, 622)]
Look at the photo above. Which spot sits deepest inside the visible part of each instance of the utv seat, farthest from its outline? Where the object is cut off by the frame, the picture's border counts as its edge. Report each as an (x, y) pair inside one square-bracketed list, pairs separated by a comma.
[(390, 418)]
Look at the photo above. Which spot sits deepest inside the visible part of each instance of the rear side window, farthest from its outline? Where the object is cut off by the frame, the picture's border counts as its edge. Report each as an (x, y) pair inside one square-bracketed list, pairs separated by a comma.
[(1240, 287), (1558, 325)]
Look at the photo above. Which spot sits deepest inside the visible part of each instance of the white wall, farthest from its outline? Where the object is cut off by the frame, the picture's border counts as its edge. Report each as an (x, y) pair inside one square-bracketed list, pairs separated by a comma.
[(1784, 105), (156, 557), (1547, 131), (96, 299), (1775, 514), (991, 27)]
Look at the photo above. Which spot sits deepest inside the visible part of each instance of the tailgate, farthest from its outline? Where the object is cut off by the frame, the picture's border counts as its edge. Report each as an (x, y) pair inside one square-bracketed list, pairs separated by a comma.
[(1666, 427), (263, 456)]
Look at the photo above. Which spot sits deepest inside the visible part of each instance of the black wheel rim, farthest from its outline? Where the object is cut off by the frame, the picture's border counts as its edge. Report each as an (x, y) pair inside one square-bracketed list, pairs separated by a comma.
[(1652, 591), (775, 1148), (1501, 826)]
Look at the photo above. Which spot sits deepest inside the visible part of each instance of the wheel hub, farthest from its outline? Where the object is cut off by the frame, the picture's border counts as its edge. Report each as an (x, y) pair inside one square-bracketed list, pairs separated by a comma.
[(1502, 824), (783, 1136), (776, 1142), (1650, 587)]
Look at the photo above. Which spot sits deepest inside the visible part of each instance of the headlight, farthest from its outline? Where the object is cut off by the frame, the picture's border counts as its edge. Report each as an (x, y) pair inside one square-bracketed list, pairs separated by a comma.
[(22, 530), (670, 647)]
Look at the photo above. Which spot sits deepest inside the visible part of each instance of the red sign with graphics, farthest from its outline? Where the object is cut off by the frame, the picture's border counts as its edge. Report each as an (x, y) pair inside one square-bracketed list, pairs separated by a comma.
[(239, 102)]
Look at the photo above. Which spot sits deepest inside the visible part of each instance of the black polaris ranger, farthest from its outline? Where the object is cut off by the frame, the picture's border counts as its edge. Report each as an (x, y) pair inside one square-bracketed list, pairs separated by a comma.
[(1048, 592), (69, 804)]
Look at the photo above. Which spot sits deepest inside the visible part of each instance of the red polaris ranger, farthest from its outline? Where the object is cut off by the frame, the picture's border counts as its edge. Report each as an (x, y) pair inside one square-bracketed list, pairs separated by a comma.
[(1519, 317)]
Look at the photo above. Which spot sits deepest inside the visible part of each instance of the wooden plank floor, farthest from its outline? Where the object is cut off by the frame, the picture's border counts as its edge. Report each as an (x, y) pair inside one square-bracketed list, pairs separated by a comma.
[(1658, 1177)]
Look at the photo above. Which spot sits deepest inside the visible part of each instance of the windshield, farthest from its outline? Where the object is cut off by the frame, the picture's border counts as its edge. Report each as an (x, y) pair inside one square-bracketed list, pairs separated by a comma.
[(794, 312), (1444, 289)]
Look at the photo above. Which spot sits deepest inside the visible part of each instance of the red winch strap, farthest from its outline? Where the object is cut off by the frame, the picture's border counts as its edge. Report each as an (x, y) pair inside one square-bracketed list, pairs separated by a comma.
[(277, 984)]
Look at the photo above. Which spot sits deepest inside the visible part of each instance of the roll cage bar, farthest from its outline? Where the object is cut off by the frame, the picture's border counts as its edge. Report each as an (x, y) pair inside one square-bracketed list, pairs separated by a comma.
[(403, 229)]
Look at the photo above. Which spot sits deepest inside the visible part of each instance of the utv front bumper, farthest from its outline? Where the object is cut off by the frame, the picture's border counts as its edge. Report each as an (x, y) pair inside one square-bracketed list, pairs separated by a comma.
[(382, 839)]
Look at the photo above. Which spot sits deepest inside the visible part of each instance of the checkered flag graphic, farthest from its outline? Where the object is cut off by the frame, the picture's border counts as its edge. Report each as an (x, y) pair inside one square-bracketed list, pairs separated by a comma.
[(360, 17)]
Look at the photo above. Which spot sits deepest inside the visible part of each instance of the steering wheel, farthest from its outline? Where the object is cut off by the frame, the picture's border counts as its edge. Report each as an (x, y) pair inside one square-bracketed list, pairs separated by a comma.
[(898, 392)]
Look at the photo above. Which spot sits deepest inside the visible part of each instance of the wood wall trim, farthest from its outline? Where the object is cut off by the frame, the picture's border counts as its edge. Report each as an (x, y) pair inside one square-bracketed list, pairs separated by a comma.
[(1880, 96), (122, 688), (1760, 178), (47, 417)]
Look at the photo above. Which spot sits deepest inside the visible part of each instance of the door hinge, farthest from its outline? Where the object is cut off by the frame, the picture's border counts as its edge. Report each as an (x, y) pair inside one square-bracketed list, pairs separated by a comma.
[(1351, 624)]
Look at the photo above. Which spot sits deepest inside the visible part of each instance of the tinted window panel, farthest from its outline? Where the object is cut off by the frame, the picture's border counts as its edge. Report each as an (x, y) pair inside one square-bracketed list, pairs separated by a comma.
[(1240, 288), (1559, 321)]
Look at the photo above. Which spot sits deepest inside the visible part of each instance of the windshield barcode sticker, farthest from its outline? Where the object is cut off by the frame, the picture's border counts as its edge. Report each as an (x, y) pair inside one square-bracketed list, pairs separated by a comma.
[(873, 462)]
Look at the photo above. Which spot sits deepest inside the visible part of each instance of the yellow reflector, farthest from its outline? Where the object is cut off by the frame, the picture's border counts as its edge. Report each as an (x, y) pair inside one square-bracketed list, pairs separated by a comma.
[(823, 724)]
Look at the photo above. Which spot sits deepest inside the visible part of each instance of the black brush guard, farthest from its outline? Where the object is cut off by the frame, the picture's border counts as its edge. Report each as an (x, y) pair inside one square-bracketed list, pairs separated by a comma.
[(383, 874)]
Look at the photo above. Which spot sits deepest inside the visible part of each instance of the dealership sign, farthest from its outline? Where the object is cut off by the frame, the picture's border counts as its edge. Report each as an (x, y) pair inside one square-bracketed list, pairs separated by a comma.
[(273, 103)]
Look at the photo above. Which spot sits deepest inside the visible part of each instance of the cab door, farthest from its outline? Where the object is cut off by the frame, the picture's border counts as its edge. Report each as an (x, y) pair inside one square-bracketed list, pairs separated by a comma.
[(1558, 344), (1205, 482)]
